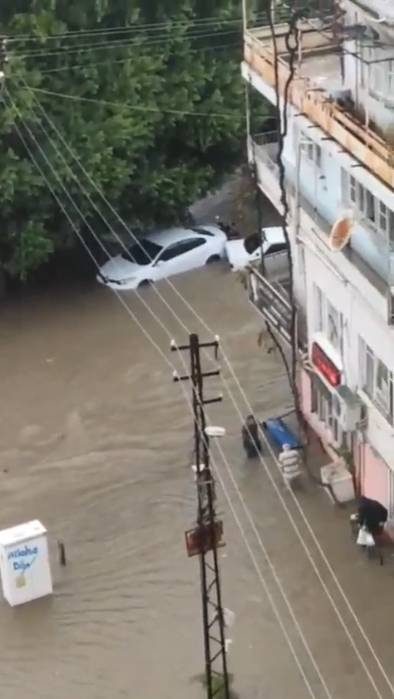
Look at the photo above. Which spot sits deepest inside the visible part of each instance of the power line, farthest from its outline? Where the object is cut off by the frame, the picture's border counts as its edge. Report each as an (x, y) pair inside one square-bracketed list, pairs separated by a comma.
[(169, 25), (109, 62), (213, 115), (123, 43)]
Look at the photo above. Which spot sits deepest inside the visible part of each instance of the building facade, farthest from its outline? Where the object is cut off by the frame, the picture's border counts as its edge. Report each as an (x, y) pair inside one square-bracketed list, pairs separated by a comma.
[(339, 163)]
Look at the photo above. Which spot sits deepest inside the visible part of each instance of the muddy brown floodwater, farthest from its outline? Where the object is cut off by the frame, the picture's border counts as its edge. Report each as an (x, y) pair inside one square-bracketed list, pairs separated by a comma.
[(96, 442)]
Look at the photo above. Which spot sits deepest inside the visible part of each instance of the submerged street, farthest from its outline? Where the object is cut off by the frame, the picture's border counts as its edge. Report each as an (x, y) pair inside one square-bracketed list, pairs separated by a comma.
[(96, 442)]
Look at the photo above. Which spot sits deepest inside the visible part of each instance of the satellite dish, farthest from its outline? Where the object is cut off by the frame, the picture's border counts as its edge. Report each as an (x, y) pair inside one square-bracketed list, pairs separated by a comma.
[(340, 233)]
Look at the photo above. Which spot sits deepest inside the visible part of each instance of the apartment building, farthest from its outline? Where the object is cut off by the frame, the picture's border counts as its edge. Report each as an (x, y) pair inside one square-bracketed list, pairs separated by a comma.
[(339, 162)]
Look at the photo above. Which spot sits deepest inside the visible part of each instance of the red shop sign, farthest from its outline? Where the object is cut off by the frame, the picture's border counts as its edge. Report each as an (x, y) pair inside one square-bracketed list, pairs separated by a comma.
[(325, 366)]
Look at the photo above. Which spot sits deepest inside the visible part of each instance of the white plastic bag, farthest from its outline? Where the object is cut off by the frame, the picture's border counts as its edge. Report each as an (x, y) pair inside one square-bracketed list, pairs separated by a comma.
[(365, 538)]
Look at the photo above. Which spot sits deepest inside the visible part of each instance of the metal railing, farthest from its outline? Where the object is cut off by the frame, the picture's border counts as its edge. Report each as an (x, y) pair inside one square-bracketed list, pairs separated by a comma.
[(311, 99), (273, 305), (273, 302), (265, 147)]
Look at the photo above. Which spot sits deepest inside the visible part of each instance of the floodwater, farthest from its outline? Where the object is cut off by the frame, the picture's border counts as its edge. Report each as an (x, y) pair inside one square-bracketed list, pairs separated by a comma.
[(96, 442)]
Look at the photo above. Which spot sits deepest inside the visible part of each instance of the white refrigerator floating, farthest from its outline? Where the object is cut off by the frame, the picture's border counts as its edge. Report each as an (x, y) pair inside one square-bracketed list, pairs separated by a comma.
[(24, 563)]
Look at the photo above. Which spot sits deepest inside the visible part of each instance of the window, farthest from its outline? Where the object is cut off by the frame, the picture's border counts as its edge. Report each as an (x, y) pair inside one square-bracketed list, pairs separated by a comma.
[(383, 216), (311, 150), (203, 231), (327, 319), (181, 248), (322, 405), (381, 80), (352, 190), (189, 245), (276, 247), (333, 326), (369, 206), (318, 308), (376, 380), (143, 252), (169, 253)]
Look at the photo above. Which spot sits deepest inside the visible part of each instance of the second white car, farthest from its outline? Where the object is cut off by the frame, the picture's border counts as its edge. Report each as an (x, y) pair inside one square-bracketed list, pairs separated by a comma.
[(273, 242)]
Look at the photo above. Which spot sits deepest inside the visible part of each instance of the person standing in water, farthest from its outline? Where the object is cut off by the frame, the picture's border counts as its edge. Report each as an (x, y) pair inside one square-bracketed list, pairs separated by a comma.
[(250, 437)]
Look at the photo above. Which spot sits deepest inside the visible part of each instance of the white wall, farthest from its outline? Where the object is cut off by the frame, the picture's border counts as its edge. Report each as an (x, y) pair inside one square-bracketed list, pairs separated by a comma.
[(323, 188), (359, 320)]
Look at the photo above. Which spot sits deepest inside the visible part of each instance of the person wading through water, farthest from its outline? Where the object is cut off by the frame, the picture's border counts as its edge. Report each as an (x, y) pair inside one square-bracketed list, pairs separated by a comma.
[(250, 437)]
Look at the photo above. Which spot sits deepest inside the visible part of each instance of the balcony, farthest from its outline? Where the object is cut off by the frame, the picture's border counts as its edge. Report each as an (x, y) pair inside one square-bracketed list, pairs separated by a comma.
[(315, 90), (262, 152), (309, 225)]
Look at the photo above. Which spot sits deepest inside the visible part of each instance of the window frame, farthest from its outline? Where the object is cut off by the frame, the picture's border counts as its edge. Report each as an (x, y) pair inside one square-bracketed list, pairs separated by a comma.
[(323, 309), (276, 248), (201, 242), (318, 309), (311, 150), (372, 209), (332, 312), (380, 393)]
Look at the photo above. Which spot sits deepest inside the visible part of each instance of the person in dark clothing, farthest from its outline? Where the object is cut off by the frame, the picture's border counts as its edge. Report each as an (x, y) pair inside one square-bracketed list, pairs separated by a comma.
[(371, 515), (250, 437)]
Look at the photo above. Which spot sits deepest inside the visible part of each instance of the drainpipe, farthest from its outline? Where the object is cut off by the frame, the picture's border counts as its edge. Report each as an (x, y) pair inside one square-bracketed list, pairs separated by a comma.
[(244, 16), (367, 99), (297, 191)]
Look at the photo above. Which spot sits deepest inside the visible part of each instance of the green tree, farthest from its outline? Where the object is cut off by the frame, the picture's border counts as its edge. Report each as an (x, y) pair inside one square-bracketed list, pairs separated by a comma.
[(173, 126)]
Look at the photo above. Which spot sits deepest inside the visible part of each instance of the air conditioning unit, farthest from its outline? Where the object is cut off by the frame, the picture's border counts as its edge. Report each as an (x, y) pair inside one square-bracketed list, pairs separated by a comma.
[(347, 408)]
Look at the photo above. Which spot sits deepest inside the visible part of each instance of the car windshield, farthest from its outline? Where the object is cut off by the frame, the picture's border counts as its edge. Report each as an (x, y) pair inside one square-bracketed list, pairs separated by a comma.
[(143, 252)]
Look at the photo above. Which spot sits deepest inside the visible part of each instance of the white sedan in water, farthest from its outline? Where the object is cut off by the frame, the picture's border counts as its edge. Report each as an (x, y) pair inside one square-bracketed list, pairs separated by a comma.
[(163, 254)]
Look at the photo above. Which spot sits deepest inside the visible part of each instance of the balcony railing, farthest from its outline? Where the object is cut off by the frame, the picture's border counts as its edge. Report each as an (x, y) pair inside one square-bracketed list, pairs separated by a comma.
[(311, 96), (262, 151), (273, 302)]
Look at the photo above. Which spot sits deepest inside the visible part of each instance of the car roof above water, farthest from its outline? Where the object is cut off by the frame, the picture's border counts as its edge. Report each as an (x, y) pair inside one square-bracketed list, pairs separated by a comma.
[(170, 236)]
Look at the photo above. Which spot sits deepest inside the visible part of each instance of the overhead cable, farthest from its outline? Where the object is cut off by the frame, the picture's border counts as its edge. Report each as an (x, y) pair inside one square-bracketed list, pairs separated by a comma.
[(132, 107)]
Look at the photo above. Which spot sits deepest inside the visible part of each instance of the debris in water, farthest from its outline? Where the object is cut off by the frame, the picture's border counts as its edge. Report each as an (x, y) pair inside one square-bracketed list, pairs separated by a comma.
[(62, 553)]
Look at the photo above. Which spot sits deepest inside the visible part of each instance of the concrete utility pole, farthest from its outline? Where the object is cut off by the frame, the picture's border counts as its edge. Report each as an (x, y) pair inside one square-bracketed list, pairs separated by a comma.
[(205, 538)]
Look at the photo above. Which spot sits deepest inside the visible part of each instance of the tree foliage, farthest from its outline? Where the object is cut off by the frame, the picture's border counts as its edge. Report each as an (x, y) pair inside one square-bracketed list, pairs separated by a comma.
[(168, 120)]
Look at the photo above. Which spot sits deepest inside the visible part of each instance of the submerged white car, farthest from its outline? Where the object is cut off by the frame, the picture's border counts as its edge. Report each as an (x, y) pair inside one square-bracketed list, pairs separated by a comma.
[(273, 241), (163, 254)]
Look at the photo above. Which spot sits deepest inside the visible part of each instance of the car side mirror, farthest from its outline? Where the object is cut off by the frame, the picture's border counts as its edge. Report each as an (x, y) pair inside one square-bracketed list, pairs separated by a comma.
[(158, 263)]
